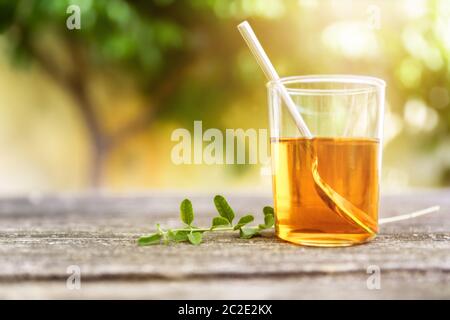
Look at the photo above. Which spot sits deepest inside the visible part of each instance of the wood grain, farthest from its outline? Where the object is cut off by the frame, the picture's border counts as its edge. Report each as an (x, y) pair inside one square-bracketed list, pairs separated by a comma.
[(41, 236)]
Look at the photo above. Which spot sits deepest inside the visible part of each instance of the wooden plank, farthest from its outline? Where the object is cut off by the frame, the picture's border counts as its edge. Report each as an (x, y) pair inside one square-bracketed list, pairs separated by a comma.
[(41, 236), (394, 285)]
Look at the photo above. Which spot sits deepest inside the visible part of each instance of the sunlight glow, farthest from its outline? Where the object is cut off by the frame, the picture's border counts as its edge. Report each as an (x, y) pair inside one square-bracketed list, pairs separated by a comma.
[(351, 39), (410, 72), (419, 116), (418, 47), (263, 8), (415, 8), (308, 3), (441, 29)]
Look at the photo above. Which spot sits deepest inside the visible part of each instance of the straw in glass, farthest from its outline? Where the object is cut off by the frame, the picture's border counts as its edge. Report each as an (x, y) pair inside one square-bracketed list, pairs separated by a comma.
[(334, 200)]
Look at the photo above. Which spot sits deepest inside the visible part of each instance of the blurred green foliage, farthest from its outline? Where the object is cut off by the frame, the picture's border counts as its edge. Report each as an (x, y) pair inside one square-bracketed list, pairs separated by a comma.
[(191, 52), (149, 38)]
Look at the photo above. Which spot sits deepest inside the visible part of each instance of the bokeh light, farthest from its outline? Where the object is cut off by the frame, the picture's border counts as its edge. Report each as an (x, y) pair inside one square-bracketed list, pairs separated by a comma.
[(96, 107)]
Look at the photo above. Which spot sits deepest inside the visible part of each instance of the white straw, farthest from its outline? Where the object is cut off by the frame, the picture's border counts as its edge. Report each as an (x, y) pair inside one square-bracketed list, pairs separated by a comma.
[(410, 215), (263, 60)]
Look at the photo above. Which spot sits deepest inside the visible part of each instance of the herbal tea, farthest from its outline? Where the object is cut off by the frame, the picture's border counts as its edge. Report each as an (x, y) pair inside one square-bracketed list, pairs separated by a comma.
[(349, 166)]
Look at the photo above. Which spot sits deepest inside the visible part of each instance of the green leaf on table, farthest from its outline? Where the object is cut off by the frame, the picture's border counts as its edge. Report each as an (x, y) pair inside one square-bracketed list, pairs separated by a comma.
[(171, 234), (219, 222), (243, 221), (186, 212), (268, 210), (151, 239), (178, 236), (224, 208), (181, 236), (247, 233), (223, 222), (195, 238), (269, 221)]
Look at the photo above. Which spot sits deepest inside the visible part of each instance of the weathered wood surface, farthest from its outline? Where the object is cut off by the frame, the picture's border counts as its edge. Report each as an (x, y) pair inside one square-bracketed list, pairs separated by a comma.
[(41, 236)]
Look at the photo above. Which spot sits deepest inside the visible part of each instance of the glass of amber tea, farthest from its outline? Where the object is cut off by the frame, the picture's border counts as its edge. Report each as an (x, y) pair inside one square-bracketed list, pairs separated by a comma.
[(326, 187)]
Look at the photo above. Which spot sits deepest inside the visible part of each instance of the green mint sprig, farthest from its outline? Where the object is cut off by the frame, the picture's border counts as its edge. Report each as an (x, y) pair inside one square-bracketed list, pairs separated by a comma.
[(223, 222)]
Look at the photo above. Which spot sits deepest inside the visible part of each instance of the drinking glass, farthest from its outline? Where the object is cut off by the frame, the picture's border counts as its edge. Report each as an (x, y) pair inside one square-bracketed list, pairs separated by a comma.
[(326, 188)]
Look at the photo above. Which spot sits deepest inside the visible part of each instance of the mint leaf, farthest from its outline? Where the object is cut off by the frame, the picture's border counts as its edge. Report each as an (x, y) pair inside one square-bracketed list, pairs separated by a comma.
[(223, 222), (269, 218), (268, 210), (195, 238), (171, 234), (181, 236), (247, 233), (243, 221), (269, 221), (154, 238), (178, 236), (219, 221), (224, 208), (186, 212)]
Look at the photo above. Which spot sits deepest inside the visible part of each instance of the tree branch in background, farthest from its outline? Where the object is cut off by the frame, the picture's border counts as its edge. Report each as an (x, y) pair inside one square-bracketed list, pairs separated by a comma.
[(169, 85), (75, 83)]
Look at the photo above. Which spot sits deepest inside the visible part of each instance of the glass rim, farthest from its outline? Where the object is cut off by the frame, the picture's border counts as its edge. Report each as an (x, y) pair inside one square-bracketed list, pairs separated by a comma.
[(372, 83)]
